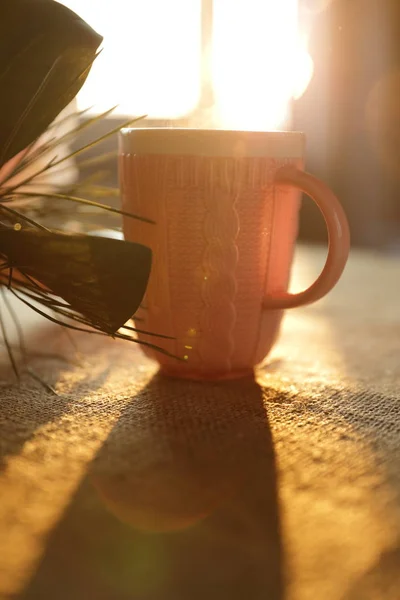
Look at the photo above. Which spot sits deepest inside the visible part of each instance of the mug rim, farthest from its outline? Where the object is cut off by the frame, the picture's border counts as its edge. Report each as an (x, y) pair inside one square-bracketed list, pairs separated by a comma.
[(211, 142)]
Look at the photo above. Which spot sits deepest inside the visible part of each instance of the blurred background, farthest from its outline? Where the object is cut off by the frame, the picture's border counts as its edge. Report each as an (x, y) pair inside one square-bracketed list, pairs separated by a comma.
[(330, 68)]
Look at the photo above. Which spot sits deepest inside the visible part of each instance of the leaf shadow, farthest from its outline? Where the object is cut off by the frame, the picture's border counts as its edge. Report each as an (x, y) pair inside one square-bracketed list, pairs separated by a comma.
[(26, 405)]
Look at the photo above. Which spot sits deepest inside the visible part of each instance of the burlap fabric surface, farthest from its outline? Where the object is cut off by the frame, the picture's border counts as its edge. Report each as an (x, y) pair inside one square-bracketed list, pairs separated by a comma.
[(129, 486)]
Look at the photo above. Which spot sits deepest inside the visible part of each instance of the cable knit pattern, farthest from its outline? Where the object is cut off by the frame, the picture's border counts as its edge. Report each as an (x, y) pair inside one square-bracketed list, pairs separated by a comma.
[(221, 228), (223, 240)]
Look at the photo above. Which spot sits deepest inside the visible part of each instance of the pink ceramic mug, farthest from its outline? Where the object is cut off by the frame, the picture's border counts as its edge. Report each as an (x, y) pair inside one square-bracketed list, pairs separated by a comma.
[(225, 206)]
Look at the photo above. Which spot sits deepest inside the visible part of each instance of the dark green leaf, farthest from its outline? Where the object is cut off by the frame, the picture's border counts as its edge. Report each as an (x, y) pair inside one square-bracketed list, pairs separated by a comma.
[(102, 279), (46, 52)]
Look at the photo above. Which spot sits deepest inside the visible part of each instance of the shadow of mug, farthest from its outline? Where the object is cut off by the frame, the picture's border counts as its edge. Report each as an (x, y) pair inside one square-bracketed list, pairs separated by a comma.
[(193, 463)]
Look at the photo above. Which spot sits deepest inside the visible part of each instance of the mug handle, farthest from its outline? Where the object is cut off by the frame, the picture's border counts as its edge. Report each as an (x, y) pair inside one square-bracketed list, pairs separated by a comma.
[(338, 239)]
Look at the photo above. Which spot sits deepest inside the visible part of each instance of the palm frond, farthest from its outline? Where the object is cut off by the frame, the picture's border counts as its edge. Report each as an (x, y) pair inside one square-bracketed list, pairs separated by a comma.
[(90, 145), (84, 201)]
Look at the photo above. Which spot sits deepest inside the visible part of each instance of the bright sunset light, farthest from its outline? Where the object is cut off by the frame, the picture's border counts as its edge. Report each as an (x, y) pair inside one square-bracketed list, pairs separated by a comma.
[(150, 62)]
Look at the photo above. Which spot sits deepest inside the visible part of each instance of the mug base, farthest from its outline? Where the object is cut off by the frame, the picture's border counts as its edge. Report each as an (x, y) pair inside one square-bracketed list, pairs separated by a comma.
[(196, 376)]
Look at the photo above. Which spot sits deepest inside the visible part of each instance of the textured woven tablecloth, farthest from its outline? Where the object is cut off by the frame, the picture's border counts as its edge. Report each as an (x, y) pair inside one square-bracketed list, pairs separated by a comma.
[(129, 486)]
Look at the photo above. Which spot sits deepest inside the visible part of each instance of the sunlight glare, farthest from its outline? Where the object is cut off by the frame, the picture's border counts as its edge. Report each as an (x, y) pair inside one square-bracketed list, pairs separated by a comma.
[(259, 64), (150, 62)]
